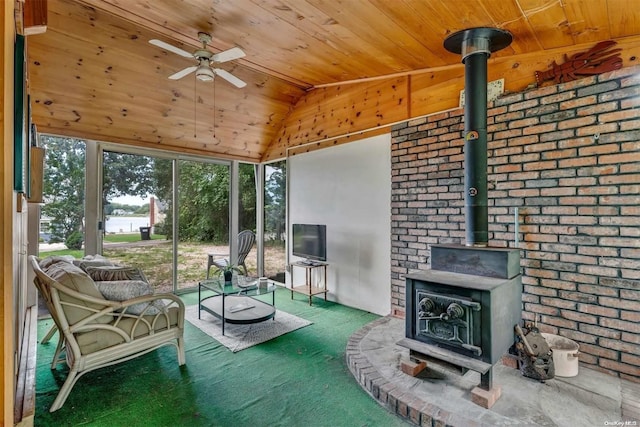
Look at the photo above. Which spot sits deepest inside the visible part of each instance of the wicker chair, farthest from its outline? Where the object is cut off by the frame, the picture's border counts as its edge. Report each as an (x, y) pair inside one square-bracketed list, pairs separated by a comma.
[(246, 240), (96, 332)]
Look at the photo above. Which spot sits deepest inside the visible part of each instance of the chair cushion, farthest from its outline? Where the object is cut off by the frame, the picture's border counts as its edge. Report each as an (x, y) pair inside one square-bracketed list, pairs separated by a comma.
[(99, 339), (92, 261), (75, 279), (50, 260), (111, 273), (123, 290)]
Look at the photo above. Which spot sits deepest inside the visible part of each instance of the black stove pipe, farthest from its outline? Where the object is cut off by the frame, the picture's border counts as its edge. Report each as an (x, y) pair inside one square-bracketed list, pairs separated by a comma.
[(476, 45), (475, 150)]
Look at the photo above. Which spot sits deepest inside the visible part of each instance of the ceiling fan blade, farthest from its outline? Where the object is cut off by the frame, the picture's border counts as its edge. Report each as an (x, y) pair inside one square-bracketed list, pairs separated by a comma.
[(171, 48), (182, 73), (228, 55), (229, 77)]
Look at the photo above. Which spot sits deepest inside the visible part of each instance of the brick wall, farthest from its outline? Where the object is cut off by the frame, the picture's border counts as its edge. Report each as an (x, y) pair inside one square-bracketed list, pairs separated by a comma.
[(567, 157)]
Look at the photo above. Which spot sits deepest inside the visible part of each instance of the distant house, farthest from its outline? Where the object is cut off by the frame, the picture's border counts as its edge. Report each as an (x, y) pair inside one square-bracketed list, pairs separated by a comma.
[(45, 228)]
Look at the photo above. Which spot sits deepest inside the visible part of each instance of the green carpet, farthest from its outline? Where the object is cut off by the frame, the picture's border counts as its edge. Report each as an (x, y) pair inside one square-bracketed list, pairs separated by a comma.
[(298, 379)]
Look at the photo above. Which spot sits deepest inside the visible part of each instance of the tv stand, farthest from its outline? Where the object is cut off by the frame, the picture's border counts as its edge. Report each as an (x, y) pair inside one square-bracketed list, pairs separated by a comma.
[(315, 279)]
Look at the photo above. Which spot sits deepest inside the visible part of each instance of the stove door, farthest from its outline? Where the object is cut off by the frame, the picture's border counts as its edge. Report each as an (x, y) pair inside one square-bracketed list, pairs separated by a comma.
[(447, 319)]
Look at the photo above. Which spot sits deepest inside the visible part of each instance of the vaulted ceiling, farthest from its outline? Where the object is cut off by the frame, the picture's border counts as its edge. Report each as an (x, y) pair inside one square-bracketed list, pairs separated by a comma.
[(318, 72)]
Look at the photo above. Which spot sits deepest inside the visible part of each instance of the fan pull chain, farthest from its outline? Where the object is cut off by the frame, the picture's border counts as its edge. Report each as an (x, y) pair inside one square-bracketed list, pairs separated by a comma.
[(195, 115), (215, 112)]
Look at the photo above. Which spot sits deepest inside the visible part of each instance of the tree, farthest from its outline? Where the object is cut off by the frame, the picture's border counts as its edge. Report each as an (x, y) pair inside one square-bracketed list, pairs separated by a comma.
[(275, 202), (64, 186), (127, 174), (204, 200)]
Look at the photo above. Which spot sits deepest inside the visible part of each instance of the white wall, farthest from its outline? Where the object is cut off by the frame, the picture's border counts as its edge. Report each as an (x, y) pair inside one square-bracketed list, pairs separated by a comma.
[(348, 188)]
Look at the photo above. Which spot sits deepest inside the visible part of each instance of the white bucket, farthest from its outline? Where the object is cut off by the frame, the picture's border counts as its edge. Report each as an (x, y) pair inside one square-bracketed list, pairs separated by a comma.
[(565, 354)]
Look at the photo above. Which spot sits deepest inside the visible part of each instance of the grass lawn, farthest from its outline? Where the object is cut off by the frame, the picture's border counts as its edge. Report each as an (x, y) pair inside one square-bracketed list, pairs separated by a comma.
[(155, 259)]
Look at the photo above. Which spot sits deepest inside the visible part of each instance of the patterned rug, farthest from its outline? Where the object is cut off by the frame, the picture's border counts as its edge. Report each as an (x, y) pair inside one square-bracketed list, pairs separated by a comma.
[(240, 337)]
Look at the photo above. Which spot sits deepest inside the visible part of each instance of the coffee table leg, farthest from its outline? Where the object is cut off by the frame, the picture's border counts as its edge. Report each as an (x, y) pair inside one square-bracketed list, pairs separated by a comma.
[(222, 314)]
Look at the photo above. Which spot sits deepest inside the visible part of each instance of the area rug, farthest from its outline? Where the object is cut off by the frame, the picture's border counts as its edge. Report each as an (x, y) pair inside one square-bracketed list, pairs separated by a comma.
[(240, 337)]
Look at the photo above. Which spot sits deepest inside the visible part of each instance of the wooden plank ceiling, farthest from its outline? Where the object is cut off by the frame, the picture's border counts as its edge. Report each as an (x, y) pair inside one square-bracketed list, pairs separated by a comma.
[(317, 71)]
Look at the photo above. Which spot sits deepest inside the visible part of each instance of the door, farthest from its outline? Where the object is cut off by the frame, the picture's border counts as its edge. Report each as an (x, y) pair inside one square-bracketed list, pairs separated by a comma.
[(136, 199)]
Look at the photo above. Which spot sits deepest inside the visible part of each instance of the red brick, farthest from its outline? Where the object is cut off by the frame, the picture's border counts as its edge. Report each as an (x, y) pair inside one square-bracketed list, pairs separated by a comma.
[(599, 129), (620, 324), (630, 359), (579, 317), (578, 200), (598, 310), (630, 125), (560, 322), (578, 259), (588, 359), (598, 351), (619, 179), (558, 191), (526, 122), (578, 102), (620, 303), (597, 210), (633, 338), (559, 154), (552, 99), (544, 128), (599, 149), (601, 107), (547, 238), (548, 164), (578, 220), (631, 316), (620, 367), (556, 302), (600, 332), (579, 122), (542, 309), (597, 270), (619, 115), (602, 190), (619, 158), (523, 140), (558, 284), (578, 162)]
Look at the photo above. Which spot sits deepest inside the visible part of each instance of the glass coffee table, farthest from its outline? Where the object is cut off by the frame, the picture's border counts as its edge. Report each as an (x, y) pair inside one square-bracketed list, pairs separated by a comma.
[(235, 302)]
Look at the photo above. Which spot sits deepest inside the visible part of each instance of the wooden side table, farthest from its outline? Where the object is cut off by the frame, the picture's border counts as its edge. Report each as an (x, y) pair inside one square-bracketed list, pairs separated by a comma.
[(315, 282)]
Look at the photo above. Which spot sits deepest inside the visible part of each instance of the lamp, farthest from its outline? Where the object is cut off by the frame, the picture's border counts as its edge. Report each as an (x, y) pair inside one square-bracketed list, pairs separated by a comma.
[(205, 73)]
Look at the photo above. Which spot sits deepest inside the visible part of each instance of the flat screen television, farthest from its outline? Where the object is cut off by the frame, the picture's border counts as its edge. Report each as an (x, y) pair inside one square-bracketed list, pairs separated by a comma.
[(310, 241)]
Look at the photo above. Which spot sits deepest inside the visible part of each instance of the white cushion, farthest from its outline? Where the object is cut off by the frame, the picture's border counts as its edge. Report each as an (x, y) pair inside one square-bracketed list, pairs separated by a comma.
[(122, 290)]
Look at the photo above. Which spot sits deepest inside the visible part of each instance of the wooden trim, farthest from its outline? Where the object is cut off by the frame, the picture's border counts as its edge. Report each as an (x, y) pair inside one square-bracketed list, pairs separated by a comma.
[(25, 403), (35, 17), (36, 172)]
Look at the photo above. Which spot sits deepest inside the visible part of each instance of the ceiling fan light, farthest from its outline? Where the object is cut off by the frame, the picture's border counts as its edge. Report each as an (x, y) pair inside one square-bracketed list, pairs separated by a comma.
[(205, 73)]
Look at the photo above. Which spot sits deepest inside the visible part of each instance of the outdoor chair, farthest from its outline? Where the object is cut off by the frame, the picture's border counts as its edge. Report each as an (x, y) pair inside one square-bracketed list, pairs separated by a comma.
[(96, 332), (246, 240)]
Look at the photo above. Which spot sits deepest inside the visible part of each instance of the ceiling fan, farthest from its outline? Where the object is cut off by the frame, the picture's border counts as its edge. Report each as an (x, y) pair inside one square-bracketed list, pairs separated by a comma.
[(204, 70)]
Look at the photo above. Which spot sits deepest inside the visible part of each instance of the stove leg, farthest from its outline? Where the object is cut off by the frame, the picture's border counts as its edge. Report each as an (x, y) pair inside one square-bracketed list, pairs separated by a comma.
[(486, 394), (486, 380)]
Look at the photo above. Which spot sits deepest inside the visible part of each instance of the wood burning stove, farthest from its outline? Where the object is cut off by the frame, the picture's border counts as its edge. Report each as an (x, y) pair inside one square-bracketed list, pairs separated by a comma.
[(472, 315), (463, 311), (464, 315)]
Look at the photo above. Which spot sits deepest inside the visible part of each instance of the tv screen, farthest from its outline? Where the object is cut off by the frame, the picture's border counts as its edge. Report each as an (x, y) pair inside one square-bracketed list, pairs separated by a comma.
[(310, 241)]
